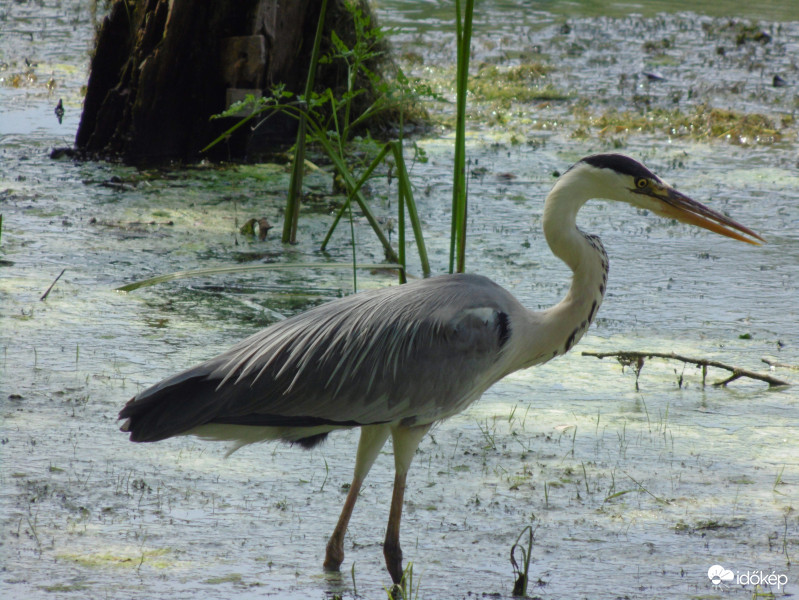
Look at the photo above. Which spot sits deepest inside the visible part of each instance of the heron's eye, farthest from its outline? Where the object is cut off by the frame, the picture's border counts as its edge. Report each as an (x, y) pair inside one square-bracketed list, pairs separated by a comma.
[(641, 183)]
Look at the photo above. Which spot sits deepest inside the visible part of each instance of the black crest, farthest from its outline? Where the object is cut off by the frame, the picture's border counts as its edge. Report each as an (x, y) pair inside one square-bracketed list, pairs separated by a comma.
[(621, 164)]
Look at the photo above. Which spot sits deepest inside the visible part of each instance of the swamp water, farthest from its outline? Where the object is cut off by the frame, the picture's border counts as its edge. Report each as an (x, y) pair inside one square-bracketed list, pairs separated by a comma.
[(632, 493)]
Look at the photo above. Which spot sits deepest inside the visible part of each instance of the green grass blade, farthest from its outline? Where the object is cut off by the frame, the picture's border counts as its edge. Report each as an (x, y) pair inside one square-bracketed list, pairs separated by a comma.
[(246, 269), (459, 198), (401, 222), (350, 181), (354, 260), (228, 132), (407, 190), (381, 155), (292, 212)]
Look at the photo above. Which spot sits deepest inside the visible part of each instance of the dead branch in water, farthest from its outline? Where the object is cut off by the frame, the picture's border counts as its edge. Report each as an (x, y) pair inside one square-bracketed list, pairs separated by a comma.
[(773, 363), (50, 289), (636, 361)]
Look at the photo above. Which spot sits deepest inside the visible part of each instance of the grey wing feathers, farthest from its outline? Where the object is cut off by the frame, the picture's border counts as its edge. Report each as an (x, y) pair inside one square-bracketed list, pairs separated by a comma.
[(407, 352)]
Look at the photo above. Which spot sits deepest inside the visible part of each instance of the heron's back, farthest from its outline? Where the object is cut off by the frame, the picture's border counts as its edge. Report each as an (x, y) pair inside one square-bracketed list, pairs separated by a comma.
[(414, 353)]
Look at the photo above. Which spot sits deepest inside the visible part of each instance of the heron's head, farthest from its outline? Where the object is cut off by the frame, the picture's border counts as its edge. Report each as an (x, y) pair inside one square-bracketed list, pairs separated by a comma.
[(621, 178)]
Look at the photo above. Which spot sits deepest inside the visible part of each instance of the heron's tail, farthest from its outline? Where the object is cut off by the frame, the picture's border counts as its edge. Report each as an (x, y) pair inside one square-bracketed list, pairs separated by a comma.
[(173, 406), (197, 401)]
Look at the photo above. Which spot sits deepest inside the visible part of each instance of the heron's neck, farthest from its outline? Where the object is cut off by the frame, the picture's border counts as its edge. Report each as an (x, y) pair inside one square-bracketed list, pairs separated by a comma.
[(566, 322)]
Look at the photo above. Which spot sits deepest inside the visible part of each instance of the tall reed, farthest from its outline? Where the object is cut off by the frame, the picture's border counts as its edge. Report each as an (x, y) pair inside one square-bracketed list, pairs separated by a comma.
[(457, 248), (295, 185)]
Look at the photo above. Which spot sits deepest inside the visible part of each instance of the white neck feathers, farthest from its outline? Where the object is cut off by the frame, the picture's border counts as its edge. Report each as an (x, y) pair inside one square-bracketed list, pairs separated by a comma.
[(559, 328)]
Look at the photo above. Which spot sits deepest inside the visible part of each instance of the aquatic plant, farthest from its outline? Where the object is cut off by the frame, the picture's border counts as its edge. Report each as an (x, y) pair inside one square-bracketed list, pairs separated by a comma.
[(522, 572), (327, 120), (457, 247), (701, 123)]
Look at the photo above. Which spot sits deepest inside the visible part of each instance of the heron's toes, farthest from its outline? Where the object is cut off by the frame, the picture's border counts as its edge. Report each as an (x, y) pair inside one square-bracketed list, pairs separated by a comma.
[(334, 556)]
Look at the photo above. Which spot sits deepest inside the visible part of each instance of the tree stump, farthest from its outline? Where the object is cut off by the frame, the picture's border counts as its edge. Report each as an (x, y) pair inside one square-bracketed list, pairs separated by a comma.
[(162, 68)]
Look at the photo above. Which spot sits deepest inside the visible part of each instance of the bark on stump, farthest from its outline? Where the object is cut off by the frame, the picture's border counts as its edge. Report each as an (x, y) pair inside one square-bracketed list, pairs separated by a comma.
[(161, 68)]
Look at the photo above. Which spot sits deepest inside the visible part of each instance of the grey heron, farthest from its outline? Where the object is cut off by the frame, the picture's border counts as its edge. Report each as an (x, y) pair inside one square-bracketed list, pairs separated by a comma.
[(394, 361)]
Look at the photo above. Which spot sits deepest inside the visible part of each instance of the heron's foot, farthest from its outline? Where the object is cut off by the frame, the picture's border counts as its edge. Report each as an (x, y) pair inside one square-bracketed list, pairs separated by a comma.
[(395, 593), (393, 555), (334, 555), (333, 563)]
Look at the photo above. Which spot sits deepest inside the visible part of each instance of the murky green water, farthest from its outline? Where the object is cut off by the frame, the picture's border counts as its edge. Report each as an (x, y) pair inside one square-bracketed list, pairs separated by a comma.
[(632, 493)]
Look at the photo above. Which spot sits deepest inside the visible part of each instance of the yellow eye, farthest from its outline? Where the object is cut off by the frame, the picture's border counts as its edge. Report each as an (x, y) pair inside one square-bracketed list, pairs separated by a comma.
[(641, 183)]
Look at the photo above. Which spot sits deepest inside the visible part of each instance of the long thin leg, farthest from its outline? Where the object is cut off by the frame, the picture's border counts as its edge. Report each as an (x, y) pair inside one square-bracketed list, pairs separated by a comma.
[(405, 440), (373, 437)]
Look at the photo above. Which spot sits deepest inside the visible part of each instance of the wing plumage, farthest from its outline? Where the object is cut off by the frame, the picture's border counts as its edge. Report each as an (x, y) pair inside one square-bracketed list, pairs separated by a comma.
[(414, 353)]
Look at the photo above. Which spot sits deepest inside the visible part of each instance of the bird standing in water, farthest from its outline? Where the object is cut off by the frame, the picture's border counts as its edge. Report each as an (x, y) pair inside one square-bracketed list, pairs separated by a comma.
[(394, 361)]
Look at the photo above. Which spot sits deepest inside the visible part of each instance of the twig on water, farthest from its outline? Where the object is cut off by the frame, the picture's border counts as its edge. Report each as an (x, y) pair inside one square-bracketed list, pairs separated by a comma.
[(47, 293), (773, 363), (641, 487), (636, 359)]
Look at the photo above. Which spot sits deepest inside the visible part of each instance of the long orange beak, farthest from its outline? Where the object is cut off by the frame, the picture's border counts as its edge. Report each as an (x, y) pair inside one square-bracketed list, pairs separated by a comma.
[(672, 204)]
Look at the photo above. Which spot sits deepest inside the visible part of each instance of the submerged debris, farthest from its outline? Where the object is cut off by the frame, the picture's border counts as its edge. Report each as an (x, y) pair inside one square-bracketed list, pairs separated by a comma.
[(637, 359)]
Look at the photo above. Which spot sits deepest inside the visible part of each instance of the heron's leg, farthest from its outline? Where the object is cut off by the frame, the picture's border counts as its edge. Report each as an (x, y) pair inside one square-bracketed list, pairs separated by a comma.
[(406, 440), (373, 437)]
